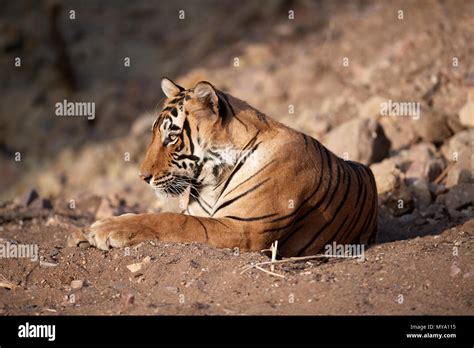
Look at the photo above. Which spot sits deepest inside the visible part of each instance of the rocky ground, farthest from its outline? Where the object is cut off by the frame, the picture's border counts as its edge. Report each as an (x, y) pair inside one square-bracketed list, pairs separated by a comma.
[(326, 73)]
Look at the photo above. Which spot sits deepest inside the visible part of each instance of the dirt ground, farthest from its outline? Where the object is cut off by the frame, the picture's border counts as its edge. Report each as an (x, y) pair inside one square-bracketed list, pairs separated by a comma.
[(426, 275)]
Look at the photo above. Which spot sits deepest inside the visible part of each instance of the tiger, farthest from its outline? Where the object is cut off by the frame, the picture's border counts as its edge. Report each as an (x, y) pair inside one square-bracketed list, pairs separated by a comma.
[(251, 181)]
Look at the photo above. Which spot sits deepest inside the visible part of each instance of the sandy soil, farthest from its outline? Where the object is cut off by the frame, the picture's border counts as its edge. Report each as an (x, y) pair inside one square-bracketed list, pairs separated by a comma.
[(417, 276)]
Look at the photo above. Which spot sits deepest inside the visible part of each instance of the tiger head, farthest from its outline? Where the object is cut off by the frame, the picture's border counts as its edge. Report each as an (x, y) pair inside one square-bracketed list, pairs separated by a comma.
[(179, 154)]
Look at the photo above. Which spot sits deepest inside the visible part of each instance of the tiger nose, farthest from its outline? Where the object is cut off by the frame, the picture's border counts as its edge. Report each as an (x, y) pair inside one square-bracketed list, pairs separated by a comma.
[(147, 178)]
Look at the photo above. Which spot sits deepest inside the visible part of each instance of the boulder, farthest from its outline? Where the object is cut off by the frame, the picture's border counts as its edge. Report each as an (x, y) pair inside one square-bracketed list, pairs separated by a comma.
[(458, 152), (432, 126), (394, 196), (459, 173), (459, 197), (387, 175), (466, 114), (423, 162), (421, 193), (371, 108), (400, 132), (361, 140)]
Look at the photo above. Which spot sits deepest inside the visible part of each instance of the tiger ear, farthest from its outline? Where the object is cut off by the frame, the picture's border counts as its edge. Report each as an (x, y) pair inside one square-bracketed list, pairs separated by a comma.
[(206, 93), (170, 89)]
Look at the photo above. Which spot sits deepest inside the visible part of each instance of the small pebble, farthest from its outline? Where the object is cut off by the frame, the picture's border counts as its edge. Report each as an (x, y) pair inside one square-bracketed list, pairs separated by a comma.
[(77, 284)]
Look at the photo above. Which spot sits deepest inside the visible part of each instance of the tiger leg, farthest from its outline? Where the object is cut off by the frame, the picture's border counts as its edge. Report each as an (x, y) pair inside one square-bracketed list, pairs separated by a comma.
[(130, 229)]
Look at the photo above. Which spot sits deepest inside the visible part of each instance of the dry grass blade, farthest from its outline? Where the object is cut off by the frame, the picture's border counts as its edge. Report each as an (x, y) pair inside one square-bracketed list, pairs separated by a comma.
[(269, 272), (296, 259), (443, 173)]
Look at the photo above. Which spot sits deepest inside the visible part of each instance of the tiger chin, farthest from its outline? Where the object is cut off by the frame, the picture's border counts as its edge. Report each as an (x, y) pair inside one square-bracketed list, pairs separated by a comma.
[(250, 179)]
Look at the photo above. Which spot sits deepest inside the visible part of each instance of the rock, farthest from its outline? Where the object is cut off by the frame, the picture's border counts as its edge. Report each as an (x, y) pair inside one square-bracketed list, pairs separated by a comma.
[(84, 245), (454, 271), (387, 175), (437, 189), (407, 218), (460, 173), (466, 114), (398, 202), (77, 284), (423, 164), (455, 124), (458, 151), (421, 192), (459, 197), (135, 267), (441, 199), (371, 108), (400, 132), (29, 198), (432, 126), (48, 264), (459, 147), (7, 285), (172, 289), (361, 140), (130, 300)]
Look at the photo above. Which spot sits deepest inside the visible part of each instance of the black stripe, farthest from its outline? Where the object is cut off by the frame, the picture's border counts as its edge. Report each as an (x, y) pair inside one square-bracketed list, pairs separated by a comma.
[(234, 171), (359, 190), (229, 202), (342, 202), (226, 99), (189, 157), (222, 110), (202, 207), (305, 140), (198, 169), (356, 219), (239, 164), (336, 186), (251, 142), (176, 164), (256, 218), (187, 130), (291, 233), (203, 201), (252, 176), (320, 201)]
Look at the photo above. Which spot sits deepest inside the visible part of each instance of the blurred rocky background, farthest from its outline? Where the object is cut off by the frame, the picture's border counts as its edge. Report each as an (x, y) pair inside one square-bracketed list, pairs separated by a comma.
[(326, 73)]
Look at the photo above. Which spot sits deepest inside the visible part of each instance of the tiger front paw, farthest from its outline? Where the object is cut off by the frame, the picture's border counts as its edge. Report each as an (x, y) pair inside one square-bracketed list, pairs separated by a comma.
[(114, 232)]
